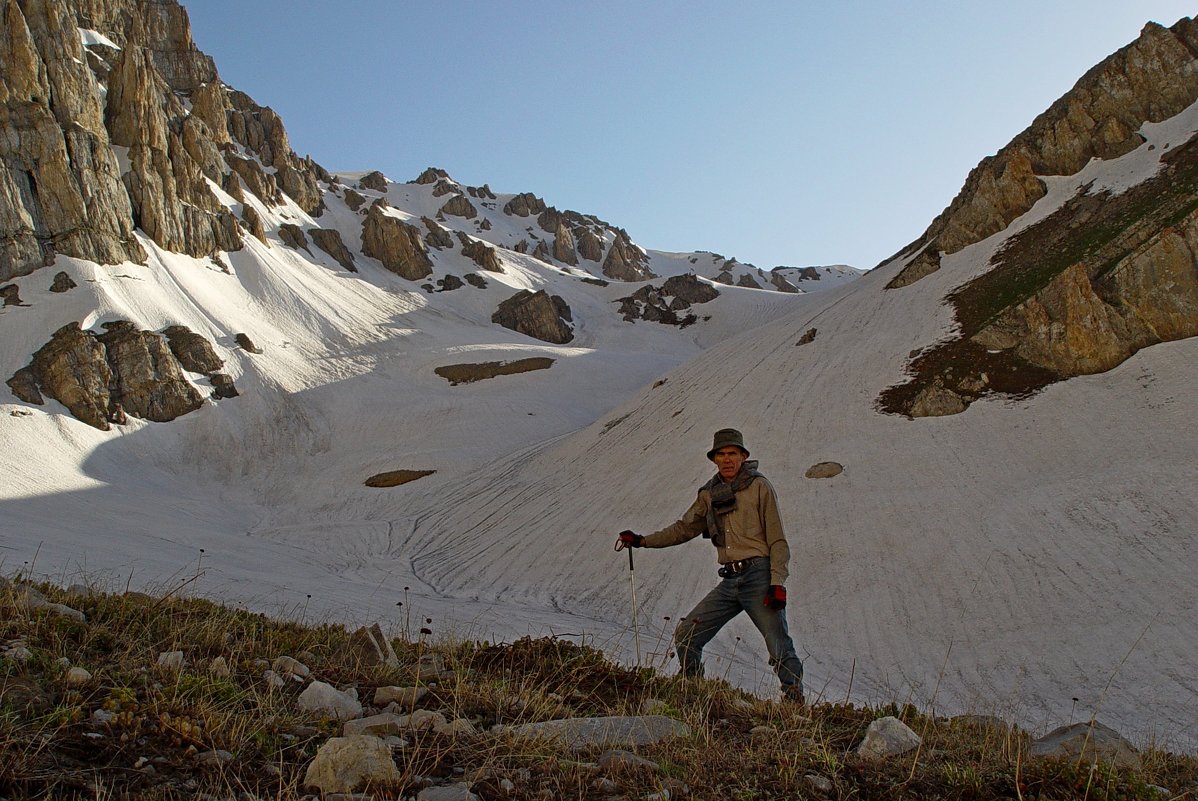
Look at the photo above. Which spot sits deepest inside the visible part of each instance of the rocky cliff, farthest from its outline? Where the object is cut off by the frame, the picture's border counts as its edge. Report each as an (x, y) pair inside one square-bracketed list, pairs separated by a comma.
[(1103, 276), (84, 78)]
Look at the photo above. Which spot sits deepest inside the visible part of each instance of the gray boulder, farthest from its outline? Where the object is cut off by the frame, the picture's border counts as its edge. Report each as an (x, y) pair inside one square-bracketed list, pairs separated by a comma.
[(346, 764), (1093, 742), (887, 737), (605, 732), (536, 314)]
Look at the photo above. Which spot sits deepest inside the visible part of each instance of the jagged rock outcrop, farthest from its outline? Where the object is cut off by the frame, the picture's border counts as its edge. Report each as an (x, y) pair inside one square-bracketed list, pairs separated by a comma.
[(444, 187), (373, 180), (194, 352), (590, 246), (661, 305), (748, 281), (62, 283), (60, 188), (329, 240), (100, 378), (778, 281), (354, 200), (437, 236), (395, 243), (459, 206), (256, 179), (11, 295), (293, 236), (260, 129), (252, 222), (1149, 80), (563, 245), (431, 175), (536, 314), (625, 261), (481, 192), (523, 205), (1076, 293), (482, 254), (541, 251)]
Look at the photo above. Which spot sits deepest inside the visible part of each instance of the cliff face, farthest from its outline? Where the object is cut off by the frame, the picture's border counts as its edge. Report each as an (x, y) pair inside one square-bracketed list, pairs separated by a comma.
[(1103, 276), (1149, 80), (140, 85)]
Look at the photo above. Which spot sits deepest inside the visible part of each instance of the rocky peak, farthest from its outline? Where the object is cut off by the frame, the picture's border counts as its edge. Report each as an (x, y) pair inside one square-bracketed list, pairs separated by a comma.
[(1149, 80), (431, 175)]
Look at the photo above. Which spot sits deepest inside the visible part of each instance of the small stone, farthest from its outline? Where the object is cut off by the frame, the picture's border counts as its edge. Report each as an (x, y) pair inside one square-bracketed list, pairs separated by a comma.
[(654, 706), (430, 667), (456, 728), (824, 470), (887, 737), (102, 717), (77, 677), (171, 660), (762, 731), (327, 700), (287, 666), (219, 668), (214, 758), (403, 697), (19, 654), (821, 784), (508, 786), (273, 680), (603, 785), (450, 792), (617, 761)]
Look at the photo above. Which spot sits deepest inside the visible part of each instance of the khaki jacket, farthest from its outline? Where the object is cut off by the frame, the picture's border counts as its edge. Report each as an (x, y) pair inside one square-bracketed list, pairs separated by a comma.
[(753, 528)]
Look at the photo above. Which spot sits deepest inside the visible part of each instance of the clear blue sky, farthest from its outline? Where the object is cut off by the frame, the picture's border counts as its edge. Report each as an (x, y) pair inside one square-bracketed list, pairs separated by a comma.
[(777, 132)]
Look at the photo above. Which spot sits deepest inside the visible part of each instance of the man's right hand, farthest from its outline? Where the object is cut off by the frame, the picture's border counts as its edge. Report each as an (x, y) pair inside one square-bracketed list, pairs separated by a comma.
[(628, 539)]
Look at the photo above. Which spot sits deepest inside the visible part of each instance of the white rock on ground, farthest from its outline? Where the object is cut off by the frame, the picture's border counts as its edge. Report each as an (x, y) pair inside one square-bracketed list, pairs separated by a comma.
[(328, 700), (287, 666), (449, 792), (220, 668), (887, 737), (1092, 741), (170, 660), (345, 764), (403, 697), (77, 677)]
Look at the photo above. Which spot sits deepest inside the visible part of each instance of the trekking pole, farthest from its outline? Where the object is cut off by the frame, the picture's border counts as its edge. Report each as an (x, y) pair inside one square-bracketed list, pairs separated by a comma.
[(636, 632)]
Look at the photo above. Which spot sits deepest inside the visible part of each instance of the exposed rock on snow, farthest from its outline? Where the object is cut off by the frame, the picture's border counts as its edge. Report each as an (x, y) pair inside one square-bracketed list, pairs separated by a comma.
[(563, 245), (395, 243), (524, 204), (94, 376), (437, 236), (536, 314), (459, 206), (431, 175), (329, 240), (293, 236), (62, 283), (354, 200), (252, 222), (590, 246), (373, 180), (194, 352), (625, 261), (482, 254), (11, 294), (677, 293), (245, 343)]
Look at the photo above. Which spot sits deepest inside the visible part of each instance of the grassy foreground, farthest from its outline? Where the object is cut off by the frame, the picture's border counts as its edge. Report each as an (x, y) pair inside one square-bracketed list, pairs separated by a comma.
[(192, 733)]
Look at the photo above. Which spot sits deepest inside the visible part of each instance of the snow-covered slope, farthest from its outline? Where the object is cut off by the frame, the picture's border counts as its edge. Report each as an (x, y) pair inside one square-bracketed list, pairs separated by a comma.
[(1007, 560)]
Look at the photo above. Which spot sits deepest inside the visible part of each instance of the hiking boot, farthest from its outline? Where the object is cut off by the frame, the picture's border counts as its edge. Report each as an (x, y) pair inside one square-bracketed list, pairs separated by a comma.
[(794, 694)]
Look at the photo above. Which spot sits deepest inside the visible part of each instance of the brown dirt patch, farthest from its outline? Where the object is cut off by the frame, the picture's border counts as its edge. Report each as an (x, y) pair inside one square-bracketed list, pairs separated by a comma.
[(394, 478), (467, 373)]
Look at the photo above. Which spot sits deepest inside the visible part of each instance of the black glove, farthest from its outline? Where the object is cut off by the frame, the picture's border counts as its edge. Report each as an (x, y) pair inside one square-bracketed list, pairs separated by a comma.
[(628, 539), (775, 597)]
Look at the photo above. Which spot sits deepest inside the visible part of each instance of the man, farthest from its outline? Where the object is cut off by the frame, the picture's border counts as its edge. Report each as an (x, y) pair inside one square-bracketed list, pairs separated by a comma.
[(738, 510)]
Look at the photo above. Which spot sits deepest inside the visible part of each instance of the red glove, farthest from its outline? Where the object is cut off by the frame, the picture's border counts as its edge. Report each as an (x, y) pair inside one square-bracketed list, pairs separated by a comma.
[(775, 597), (628, 539)]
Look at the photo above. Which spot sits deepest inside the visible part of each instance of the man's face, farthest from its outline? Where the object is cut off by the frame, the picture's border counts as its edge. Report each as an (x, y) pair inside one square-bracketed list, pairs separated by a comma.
[(728, 461)]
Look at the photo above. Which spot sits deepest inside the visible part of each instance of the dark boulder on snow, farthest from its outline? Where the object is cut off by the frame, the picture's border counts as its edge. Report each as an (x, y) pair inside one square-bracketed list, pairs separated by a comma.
[(536, 314), (329, 240), (373, 180), (395, 243)]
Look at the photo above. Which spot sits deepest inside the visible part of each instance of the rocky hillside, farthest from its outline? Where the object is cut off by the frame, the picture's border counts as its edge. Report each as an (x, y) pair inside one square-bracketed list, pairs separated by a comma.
[(1108, 273), (119, 134)]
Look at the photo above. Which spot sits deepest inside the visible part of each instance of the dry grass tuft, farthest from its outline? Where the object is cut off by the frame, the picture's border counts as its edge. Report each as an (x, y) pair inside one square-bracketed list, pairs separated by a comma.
[(138, 731)]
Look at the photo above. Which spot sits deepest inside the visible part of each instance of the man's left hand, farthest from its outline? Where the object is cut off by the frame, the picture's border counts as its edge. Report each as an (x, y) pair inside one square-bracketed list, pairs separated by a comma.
[(775, 597)]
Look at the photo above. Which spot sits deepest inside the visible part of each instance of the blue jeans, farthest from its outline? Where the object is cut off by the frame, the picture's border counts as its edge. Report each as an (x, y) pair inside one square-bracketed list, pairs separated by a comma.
[(742, 592)]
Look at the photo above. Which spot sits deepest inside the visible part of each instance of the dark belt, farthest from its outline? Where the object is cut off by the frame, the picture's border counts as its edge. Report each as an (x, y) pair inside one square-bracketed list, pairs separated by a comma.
[(739, 566)]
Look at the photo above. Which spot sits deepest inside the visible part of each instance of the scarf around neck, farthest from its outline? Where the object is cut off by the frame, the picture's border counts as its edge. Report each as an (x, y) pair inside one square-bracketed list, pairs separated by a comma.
[(723, 499)]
